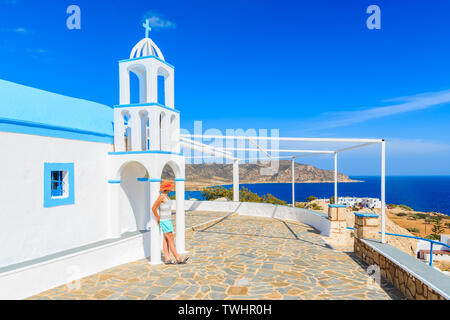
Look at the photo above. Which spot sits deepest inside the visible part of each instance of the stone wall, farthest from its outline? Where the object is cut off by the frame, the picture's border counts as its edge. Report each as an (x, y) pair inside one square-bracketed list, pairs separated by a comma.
[(409, 285)]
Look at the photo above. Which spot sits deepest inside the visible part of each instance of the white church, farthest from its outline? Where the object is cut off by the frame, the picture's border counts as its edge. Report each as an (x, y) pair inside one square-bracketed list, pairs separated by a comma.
[(78, 178)]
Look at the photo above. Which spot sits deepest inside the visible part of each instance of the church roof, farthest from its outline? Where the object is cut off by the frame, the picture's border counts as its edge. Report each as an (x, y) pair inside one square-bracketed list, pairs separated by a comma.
[(34, 107), (144, 48)]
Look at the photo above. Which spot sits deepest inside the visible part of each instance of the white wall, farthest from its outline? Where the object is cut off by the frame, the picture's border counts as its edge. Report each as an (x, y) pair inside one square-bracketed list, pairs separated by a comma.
[(27, 229)]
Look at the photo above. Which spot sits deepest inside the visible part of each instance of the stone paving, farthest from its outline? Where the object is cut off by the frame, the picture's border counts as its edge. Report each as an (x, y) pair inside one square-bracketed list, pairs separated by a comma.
[(194, 218), (240, 258)]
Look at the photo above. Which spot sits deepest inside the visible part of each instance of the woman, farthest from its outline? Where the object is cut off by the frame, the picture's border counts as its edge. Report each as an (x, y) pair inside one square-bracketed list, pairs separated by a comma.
[(164, 220)]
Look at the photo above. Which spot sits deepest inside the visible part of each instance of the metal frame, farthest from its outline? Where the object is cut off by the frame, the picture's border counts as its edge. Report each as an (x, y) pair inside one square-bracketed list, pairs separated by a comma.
[(224, 152)]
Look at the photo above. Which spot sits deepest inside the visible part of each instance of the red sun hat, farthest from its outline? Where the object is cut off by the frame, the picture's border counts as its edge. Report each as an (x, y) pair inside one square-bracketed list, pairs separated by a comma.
[(167, 185)]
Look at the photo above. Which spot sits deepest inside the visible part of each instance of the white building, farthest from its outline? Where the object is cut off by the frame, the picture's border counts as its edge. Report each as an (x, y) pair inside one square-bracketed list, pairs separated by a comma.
[(77, 178), (365, 202)]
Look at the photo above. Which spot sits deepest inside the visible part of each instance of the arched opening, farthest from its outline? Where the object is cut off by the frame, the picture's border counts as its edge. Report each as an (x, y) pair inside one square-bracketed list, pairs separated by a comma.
[(138, 82), (162, 131), (134, 213), (173, 131), (169, 175), (162, 86), (161, 90), (126, 117), (145, 130), (134, 88)]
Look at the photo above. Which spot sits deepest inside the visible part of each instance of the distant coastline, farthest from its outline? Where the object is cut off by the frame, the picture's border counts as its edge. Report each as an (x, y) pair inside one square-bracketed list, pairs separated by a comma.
[(422, 193), (193, 187)]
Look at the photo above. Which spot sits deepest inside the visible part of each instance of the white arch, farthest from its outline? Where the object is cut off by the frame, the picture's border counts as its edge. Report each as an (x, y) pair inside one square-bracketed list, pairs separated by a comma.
[(176, 168)]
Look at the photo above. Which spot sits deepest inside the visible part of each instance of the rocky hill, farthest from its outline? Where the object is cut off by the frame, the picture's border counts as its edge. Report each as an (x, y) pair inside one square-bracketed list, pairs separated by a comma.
[(207, 174)]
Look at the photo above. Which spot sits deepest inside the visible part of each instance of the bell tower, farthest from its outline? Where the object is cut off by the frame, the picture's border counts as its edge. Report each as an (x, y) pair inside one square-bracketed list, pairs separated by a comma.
[(149, 124)]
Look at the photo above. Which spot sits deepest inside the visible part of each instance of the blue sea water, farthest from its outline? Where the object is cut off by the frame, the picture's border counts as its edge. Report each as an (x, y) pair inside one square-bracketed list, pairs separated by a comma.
[(422, 193)]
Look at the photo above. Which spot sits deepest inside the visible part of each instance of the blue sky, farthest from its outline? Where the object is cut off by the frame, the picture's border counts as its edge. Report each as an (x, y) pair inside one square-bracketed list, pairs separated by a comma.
[(308, 68)]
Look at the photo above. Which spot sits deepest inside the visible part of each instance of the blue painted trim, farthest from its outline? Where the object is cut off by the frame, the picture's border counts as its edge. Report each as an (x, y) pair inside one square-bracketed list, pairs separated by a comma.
[(142, 179), (181, 179), (154, 180), (41, 129), (148, 57), (49, 201), (144, 152), (337, 206), (153, 104), (366, 215), (113, 181)]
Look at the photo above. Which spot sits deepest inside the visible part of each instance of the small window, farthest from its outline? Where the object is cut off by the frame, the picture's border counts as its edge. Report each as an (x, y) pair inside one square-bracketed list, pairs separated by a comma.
[(59, 184)]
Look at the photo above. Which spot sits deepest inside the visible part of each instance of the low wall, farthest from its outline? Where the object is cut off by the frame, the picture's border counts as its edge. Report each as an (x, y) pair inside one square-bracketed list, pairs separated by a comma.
[(315, 219), (25, 280), (413, 278)]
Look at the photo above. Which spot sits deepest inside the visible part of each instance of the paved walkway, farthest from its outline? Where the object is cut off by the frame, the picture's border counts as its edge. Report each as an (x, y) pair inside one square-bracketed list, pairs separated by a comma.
[(240, 258)]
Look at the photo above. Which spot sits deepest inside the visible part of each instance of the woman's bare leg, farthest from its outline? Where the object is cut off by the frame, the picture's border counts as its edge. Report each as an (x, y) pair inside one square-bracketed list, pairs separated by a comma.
[(172, 245), (166, 249)]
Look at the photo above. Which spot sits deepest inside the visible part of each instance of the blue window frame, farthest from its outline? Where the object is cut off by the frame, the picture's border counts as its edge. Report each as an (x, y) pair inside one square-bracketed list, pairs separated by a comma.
[(59, 184)]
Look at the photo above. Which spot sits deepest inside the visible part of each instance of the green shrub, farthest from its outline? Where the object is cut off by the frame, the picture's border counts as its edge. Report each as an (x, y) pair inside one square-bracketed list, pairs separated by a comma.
[(245, 195), (413, 230), (401, 214), (315, 206), (311, 198), (438, 228), (405, 207), (432, 237), (271, 199), (421, 215), (213, 193)]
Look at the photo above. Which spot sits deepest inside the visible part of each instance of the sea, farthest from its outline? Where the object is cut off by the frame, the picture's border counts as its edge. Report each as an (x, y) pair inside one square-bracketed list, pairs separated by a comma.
[(422, 193)]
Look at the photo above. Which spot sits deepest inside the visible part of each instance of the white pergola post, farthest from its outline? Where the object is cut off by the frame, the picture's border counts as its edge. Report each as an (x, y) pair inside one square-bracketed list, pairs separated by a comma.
[(155, 233), (383, 192), (180, 218), (236, 180), (293, 182), (335, 178)]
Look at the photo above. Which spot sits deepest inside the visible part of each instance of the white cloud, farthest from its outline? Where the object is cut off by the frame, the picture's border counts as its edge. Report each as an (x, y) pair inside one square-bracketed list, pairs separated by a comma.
[(19, 30), (158, 22), (416, 146), (37, 51), (410, 103)]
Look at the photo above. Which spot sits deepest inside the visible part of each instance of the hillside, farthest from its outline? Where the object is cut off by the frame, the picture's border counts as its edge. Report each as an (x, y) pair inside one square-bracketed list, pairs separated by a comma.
[(201, 175)]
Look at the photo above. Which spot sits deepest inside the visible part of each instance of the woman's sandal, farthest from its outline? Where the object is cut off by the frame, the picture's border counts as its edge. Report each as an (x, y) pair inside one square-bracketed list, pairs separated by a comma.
[(183, 261), (169, 262)]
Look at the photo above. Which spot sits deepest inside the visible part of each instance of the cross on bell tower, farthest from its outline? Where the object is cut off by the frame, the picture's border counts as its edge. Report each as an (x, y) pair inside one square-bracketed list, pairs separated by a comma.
[(147, 27)]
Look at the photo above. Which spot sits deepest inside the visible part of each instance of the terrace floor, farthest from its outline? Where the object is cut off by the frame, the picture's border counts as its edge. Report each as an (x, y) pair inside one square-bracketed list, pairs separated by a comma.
[(239, 258)]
